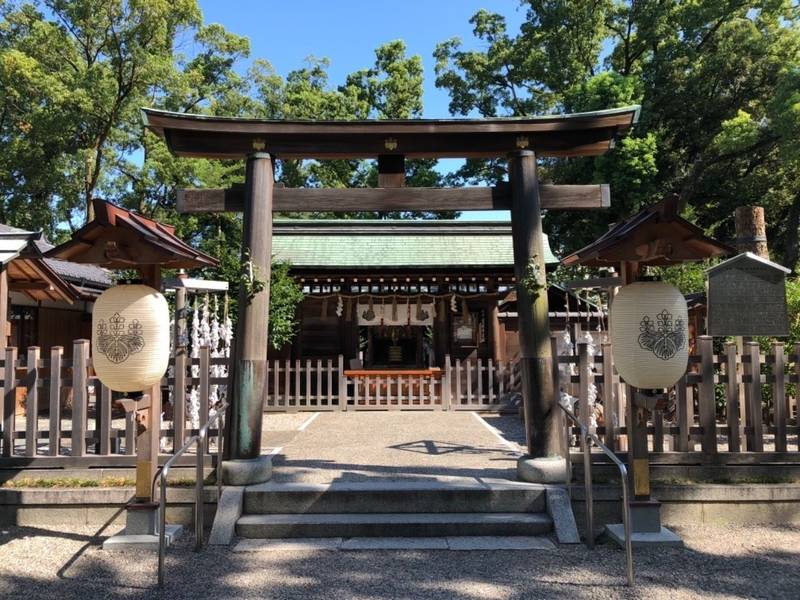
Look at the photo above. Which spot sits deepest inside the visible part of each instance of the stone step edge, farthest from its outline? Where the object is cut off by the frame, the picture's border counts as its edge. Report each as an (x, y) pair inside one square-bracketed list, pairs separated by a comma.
[(390, 518), (394, 486), (457, 543)]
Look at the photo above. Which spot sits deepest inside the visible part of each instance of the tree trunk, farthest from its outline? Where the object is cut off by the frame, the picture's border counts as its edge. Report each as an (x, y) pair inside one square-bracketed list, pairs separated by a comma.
[(791, 252)]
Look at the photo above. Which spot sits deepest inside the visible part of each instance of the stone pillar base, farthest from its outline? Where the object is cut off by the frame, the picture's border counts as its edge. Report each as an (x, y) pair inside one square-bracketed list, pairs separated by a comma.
[(552, 469), (646, 528), (247, 471), (141, 530)]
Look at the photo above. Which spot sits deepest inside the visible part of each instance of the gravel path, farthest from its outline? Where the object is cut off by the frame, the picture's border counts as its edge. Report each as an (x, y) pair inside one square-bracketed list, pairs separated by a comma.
[(717, 563)]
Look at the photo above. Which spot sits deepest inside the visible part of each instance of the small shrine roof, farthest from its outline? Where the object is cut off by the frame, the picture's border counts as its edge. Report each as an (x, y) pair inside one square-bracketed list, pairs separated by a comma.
[(655, 236), (118, 238)]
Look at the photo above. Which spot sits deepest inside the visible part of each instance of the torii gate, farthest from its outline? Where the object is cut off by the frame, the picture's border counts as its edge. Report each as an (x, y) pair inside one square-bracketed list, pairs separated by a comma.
[(391, 142)]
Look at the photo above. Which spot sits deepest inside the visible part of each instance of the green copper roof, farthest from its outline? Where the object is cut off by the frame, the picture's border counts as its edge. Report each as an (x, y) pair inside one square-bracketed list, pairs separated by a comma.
[(323, 244)]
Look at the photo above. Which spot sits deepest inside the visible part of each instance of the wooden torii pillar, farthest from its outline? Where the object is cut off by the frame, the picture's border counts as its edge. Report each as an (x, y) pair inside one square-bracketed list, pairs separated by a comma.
[(542, 416)]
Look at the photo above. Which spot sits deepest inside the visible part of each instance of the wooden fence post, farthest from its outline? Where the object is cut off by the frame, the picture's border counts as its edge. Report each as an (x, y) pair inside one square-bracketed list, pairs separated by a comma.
[(610, 398), (204, 391), (585, 378), (342, 384), (684, 415), (795, 398), (179, 367), (448, 378), (732, 398), (755, 435), (104, 406), (779, 396), (54, 434), (80, 358), (32, 402), (179, 398), (707, 403), (9, 401)]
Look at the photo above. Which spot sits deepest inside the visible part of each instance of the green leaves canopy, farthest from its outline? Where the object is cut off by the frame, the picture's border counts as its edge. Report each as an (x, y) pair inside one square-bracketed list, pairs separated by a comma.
[(718, 85)]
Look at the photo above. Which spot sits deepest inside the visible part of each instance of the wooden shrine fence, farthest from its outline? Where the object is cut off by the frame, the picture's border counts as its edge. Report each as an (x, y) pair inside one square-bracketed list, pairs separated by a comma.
[(730, 407), (319, 384)]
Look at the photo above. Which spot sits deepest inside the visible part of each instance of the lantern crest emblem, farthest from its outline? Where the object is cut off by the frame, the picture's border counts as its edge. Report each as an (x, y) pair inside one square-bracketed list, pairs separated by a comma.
[(117, 344), (663, 338)]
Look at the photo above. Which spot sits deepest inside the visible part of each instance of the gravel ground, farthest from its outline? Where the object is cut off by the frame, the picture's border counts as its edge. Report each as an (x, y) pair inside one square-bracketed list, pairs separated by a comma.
[(730, 562)]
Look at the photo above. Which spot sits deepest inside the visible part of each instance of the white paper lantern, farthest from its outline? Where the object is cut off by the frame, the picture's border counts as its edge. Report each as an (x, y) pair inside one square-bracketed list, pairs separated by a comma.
[(130, 337), (649, 334)]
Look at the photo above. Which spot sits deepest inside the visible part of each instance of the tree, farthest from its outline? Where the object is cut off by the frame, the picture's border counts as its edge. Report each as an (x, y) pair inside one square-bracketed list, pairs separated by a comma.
[(74, 75), (712, 129)]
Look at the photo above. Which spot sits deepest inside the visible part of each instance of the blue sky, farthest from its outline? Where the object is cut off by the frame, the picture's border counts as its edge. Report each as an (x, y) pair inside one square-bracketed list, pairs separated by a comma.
[(348, 31)]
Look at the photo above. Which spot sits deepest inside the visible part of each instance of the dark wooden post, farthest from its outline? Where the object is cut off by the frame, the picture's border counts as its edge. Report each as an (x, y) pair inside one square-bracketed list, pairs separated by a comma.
[(249, 364), (538, 391), (148, 416), (179, 385), (636, 413)]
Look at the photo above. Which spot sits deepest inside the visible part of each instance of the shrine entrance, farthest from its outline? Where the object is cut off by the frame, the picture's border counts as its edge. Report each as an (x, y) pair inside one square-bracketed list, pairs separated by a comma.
[(519, 140)]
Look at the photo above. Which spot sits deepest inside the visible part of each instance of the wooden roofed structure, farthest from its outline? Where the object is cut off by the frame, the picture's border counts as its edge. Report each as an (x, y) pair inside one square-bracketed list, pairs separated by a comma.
[(391, 142), (28, 271), (655, 236), (118, 238)]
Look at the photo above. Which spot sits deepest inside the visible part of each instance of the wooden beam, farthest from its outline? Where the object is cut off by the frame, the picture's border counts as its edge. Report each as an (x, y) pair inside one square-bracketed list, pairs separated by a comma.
[(553, 197), (21, 286)]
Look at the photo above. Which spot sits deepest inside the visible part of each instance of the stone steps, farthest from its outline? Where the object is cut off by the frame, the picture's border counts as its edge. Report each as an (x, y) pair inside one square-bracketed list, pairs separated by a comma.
[(346, 525), (437, 496), (441, 507)]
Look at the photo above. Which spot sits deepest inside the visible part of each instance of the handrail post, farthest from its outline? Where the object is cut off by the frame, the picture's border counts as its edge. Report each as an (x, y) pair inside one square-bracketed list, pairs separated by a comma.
[(587, 482), (198, 489), (220, 437), (162, 523), (161, 479), (626, 524), (586, 436)]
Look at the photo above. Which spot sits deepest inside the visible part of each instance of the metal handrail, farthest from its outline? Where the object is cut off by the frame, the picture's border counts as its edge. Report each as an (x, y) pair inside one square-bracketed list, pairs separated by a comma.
[(586, 435), (161, 479)]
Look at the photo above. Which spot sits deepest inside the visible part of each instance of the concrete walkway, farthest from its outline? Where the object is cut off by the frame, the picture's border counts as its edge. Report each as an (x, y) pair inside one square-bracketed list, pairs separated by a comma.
[(359, 446)]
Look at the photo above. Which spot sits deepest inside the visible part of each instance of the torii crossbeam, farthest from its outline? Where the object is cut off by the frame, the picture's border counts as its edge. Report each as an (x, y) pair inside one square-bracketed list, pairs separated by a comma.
[(391, 142)]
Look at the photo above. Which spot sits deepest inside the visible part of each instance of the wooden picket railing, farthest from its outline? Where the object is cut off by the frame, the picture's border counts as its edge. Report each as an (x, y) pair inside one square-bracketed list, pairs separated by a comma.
[(84, 425), (728, 402), (297, 385), (325, 385)]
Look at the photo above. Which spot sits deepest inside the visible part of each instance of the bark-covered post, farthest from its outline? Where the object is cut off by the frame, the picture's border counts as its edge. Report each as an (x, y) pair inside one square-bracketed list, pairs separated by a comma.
[(751, 230), (249, 365), (542, 416)]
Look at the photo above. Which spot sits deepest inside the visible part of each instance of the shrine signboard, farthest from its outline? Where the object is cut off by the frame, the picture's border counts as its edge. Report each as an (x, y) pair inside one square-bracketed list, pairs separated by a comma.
[(747, 297)]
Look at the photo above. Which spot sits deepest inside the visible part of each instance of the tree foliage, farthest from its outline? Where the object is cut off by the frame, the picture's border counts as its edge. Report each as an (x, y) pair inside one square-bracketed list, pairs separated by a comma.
[(717, 81), (74, 74)]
